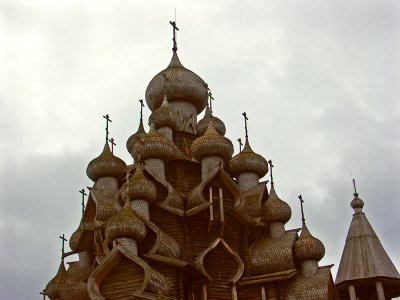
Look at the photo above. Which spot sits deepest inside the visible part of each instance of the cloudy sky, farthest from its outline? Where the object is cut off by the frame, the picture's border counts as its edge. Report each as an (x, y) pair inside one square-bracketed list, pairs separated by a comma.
[(318, 80)]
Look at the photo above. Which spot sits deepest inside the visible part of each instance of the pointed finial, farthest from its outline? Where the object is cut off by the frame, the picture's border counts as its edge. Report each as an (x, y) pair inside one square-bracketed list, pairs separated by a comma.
[(107, 117), (245, 126), (112, 144), (174, 29), (272, 178), (63, 240), (303, 220), (355, 188), (82, 191), (240, 144), (141, 110)]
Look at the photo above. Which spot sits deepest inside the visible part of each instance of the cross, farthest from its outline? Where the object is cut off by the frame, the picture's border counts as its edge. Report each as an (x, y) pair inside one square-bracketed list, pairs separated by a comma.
[(141, 110), (211, 98), (44, 294), (240, 144), (355, 188), (107, 117), (302, 212), (63, 240), (271, 166), (82, 191), (245, 125), (174, 29), (112, 144)]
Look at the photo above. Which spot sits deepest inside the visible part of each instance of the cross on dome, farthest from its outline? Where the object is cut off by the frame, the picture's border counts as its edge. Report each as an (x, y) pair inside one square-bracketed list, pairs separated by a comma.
[(82, 191), (141, 110), (240, 144), (272, 178), (302, 211), (107, 117), (174, 29), (44, 294), (63, 240), (245, 126), (355, 188), (112, 144)]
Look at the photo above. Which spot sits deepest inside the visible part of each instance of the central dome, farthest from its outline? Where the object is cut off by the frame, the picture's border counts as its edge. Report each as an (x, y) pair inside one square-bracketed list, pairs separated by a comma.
[(180, 84)]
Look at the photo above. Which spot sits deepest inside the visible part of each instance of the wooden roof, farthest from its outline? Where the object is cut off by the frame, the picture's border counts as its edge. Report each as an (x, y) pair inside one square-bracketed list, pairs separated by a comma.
[(364, 256)]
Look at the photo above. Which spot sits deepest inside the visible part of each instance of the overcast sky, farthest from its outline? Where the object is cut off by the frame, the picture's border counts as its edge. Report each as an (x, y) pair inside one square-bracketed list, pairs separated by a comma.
[(319, 81)]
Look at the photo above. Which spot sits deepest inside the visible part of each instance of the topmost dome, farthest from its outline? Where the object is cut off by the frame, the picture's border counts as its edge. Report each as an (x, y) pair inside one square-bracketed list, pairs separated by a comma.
[(180, 84)]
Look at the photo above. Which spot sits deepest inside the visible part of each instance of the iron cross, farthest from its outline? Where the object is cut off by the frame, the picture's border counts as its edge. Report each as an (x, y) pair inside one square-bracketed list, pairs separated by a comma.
[(112, 144), (240, 144), (141, 110), (107, 117), (174, 29), (82, 191), (302, 211), (245, 125), (271, 166), (44, 294), (63, 240)]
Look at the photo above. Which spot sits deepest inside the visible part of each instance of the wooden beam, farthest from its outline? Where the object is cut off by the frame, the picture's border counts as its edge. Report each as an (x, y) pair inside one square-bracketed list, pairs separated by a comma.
[(211, 219), (234, 293), (263, 294), (221, 212)]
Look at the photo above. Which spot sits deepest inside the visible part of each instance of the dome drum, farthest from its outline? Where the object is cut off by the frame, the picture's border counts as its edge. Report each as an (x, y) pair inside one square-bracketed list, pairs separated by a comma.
[(276, 229), (166, 132), (247, 181)]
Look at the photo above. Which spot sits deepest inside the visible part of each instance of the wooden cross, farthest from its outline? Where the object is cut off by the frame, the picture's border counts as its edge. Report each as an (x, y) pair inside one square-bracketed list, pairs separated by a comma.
[(174, 29), (240, 144), (355, 188), (63, 240), (211, 98), (82, 191), (141, 110), (271, 166), (107, 117), (112, 144), (44, 294), (302, 211), (245, 125)]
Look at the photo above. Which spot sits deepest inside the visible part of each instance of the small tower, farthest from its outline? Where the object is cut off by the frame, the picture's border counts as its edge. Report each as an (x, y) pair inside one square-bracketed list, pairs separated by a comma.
[(365, 270)]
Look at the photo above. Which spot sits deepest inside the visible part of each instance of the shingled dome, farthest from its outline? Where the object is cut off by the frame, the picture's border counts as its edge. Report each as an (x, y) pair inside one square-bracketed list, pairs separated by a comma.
[(308, 247), (134, 138), (248, 161), (106, 164), (275, 210), (203, 123), (180, 84)]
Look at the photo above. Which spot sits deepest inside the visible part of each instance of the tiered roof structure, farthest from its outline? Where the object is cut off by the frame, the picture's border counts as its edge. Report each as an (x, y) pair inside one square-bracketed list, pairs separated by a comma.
[(365, 270), (187, 220)]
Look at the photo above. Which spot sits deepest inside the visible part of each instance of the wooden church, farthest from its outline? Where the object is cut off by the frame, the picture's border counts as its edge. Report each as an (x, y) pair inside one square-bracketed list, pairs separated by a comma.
[(188, 220)]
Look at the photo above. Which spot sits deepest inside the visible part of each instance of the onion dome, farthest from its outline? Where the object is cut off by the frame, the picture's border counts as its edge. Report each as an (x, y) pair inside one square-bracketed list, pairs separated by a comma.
[(134, 138), (165, 116), (53, 287), (125, 224), (106, 164), (275, 210), (153, 145), (308, 247), (211, 143), (140, 187), (73, 241), (248, 161), (180, 84), (357, 204), (203, 123)]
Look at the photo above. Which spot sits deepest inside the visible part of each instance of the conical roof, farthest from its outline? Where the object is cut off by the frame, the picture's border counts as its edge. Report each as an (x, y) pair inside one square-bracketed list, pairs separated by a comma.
[(363, 256), (203, 123), (180, 84)]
